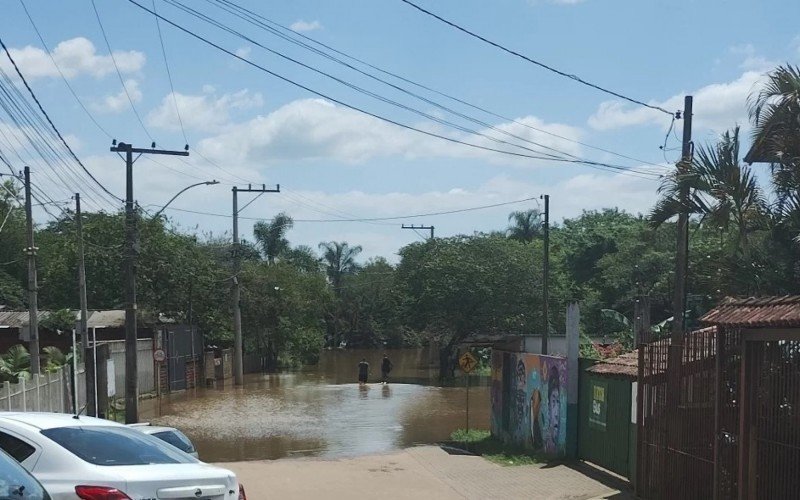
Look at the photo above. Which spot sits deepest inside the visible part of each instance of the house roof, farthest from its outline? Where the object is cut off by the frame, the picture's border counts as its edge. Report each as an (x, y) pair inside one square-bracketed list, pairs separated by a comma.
[(112, 318), (626, 365), (756, 312)]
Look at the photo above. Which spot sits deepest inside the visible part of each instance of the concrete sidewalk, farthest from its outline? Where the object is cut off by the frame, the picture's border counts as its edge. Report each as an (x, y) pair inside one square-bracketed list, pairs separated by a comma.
[(415, 473)]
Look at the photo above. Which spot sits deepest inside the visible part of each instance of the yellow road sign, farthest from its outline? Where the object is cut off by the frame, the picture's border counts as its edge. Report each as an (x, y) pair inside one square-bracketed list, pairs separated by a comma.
[(467, 362)]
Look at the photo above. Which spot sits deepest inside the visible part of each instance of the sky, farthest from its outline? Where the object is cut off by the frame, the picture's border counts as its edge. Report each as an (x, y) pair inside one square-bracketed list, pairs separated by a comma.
[(245, 126)]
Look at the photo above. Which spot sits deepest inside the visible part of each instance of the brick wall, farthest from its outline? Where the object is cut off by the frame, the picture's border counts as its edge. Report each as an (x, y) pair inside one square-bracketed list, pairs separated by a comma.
[(191, 374), (163, 378)]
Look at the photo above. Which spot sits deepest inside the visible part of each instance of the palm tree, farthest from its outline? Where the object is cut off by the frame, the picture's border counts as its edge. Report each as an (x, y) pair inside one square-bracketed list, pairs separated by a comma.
[(56, 358), (775, 115), (339, 259), (527, 225), (271, 237), (721, 189), (15, 363)]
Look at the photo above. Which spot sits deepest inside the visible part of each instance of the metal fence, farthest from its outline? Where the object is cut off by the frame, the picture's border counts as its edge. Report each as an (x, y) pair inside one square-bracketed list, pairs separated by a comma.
[(676, 429), (145, 364)]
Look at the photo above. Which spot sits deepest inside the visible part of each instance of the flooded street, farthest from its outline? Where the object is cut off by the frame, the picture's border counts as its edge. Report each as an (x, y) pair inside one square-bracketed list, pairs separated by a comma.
[(321, 412)]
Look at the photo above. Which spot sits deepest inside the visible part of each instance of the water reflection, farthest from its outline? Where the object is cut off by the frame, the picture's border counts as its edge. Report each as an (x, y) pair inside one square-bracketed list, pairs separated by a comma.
[(309, 414)]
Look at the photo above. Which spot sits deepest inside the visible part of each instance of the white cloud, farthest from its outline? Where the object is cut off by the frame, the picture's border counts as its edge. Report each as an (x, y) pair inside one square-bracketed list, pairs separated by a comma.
[(751, 60), (206, 112), (303, 26), (311, 129), (119, 102), (77, 56), (717, 106), (243, 52)]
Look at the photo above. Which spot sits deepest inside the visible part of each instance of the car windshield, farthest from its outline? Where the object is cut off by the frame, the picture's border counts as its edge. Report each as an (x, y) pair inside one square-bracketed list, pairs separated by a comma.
[(177, 439), (17, 483), (100, 445)]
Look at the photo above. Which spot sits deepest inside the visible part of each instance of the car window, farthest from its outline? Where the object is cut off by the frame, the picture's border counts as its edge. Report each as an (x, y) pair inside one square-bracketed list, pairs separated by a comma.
[(17, 483), (177, 439), (15, 447), (100, 445)]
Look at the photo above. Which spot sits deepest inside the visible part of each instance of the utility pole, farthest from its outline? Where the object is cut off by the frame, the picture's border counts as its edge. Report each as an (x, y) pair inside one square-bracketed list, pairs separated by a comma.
[(131, 254), (675, 352), (88, 355), (546, 273), (412, 226), (33, 287), (238, 362), (682, 257)]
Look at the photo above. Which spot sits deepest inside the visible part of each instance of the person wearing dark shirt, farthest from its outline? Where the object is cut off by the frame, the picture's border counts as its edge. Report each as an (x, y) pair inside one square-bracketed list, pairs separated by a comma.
[(363, 371), (386, 367)]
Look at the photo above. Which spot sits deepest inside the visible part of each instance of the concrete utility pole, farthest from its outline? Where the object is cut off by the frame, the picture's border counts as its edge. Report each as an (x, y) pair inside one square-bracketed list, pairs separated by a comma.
[(238, 361), (33, 287), (682, 257), (675, 353), (88, 355), (412, 226), (131, 254), (546, 273)]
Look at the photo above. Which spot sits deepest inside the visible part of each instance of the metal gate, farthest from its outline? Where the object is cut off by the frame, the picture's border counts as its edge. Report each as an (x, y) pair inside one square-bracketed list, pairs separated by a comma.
[(605, 443), (770, 454), (676, 441), (176, 363)]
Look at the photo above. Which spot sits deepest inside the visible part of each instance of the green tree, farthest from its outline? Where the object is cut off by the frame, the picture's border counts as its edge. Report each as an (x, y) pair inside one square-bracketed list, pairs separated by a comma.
[(455, 287), (525, 225), (340, 260), (15, 363), (722, 189), (271, 237)]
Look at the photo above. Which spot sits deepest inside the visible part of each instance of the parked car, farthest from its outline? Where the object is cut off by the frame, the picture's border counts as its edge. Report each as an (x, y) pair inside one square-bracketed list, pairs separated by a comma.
[(16, 482), (169, 435), (96, 459)]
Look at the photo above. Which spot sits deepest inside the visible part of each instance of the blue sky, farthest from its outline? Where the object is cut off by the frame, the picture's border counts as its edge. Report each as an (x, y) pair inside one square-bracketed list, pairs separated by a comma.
[(335, 163)]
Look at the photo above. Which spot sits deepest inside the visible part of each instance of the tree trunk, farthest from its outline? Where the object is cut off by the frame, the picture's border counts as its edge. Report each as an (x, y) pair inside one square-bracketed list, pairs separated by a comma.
[(447, 361)]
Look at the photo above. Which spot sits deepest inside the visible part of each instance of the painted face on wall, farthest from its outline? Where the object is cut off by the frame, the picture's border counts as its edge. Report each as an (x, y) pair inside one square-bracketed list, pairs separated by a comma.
[(554, 408)]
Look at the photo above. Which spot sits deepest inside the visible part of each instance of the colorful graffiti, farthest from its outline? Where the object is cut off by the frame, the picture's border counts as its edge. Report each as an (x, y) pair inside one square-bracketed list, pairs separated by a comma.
[(529, 404)]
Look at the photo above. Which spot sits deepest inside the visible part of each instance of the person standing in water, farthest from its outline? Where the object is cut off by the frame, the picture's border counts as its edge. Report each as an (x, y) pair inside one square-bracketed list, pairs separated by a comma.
[(363, 371), (386, 367)]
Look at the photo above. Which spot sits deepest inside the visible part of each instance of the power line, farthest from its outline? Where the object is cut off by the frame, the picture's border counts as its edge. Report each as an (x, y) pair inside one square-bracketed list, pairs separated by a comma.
[(538, 63), (60, 72), (119, 73), (169, 74), (52, 125), (291, 36), (368, 219), (592, 164), (548, 156)]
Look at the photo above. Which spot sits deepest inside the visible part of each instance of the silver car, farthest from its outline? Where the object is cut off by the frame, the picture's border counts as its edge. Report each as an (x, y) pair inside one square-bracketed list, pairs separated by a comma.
[(169, 435)]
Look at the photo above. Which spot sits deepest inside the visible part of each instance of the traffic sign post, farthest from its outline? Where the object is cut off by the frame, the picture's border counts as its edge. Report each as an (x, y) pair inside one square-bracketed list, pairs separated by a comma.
[(467, 362)]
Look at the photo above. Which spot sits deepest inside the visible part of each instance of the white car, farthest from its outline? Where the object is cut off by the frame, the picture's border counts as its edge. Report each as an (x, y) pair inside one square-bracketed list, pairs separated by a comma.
[(169, 435), (93, 459)]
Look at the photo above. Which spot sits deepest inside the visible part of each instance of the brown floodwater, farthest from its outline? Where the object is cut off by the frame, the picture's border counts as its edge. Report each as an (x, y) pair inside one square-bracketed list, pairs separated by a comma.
[(321, 411)]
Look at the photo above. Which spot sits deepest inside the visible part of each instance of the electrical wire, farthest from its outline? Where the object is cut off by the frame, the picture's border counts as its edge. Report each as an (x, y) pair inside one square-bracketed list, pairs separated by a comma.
[(60, 72), (119, 73), (292, 36), (548, 156), (537, 63), (52, 125), (169, 74), (592, 164), (368, 219)]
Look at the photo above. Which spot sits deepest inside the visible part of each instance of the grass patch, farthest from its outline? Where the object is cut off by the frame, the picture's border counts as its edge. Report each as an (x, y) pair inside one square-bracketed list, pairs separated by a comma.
[(481, 442)]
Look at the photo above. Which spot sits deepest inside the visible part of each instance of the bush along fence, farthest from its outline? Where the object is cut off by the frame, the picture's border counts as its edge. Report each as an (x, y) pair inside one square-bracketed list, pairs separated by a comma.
[(49, 392)]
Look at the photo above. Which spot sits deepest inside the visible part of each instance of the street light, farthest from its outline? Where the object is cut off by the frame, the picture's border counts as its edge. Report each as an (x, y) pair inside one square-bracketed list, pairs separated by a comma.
[(205, 183)]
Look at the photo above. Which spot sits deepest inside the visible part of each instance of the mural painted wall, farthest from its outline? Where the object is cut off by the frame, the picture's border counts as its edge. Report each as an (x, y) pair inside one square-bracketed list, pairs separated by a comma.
[(529, 400)]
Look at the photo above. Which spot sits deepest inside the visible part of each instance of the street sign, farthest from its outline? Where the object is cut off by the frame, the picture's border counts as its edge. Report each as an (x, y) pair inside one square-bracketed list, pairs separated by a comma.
[(467, 362), (159, 355)]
